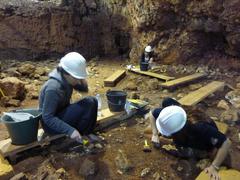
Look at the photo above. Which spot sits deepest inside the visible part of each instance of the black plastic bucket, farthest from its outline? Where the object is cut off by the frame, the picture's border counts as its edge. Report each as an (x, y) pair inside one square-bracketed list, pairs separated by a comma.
[(116, 100), (144, 66), (23, 132)]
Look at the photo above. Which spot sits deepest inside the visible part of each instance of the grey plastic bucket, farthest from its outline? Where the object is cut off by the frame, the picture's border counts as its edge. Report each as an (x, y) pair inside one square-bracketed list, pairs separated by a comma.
[(23, 132), (116, 100)]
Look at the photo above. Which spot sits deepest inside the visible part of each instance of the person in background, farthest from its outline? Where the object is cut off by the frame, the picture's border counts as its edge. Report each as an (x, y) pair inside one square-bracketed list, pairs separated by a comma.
[(147, 56), (202, 136), (58, 115)]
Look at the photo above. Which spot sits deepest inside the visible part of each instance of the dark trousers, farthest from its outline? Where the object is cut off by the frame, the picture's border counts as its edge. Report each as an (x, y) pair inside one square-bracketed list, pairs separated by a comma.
[(81, 115)]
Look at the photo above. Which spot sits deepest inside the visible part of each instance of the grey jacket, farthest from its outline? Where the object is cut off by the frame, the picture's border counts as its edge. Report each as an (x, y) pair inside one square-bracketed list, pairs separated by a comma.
[(55, 96)]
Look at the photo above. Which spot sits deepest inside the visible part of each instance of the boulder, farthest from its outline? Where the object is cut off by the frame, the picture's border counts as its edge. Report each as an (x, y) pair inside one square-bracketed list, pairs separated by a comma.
[(230, 116), (43, 78), (12, 72), (145, 172), (27, 69), (234, 98), (32, 91), (8, 102), (61, 173), (223, 105), (13, 87), (41, 71), (131, 86)]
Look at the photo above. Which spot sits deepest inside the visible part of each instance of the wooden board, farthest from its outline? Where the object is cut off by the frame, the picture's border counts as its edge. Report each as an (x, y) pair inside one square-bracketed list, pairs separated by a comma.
[(109, 118), (182, 80), (151, 74), (6, 170), (229, 174), (107, 114), (114, 78), (198, 95), (8, 149)]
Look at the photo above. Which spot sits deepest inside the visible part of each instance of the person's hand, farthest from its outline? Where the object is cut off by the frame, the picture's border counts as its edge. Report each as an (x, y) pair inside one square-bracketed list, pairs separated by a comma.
[(155, 139), (151, 60), (76, 136), (212, 172), (156, 142)]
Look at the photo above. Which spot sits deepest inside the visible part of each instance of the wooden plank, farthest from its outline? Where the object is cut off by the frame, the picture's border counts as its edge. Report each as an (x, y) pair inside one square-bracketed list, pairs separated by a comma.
[(114, 78), (182, 80), (111, 118), (198, 95), (107, 114), (151, 74), (8, 149), (103, 124), (224, 174), (6, 170)]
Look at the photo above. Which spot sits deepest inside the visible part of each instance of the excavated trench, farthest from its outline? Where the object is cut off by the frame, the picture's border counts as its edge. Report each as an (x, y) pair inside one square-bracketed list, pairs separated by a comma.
[(202, 35)]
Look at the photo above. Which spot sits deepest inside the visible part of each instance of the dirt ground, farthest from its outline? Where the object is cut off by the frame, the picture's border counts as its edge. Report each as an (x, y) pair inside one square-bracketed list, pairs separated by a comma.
[(128, 136)]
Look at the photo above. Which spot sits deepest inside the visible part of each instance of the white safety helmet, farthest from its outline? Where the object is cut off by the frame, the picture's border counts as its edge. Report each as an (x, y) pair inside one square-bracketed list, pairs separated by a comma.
[(171, 120), (148, 49), (74, 64)]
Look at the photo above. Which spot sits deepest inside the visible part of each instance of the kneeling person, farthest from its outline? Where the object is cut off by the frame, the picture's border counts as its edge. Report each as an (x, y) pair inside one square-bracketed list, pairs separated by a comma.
[(171, 121), (58, 115)]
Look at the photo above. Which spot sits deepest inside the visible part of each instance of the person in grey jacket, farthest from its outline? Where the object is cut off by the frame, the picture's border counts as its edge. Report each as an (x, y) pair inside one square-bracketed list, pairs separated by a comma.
[(58, 115)]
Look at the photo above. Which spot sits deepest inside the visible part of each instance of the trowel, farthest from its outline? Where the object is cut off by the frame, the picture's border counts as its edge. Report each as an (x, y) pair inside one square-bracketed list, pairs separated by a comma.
[(146, 147)]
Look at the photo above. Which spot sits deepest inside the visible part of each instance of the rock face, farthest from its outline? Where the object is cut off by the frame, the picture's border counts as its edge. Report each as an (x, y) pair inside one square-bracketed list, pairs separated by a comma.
[(36, 29), (178, 30)]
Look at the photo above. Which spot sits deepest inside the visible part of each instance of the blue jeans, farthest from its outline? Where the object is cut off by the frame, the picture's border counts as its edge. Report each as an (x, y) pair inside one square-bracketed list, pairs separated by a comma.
[(81, 115)]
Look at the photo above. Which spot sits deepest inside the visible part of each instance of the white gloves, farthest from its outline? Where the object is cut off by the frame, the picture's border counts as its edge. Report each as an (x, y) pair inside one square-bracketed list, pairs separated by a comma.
[(155, 139), (76, 136)]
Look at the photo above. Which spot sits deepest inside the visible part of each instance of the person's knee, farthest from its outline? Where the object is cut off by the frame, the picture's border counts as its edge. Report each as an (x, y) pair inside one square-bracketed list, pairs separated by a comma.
[(90, 100), (156, 112)]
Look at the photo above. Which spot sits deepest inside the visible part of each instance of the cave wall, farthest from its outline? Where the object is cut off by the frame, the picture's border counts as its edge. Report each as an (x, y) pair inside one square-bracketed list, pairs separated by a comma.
[(177, 29)]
